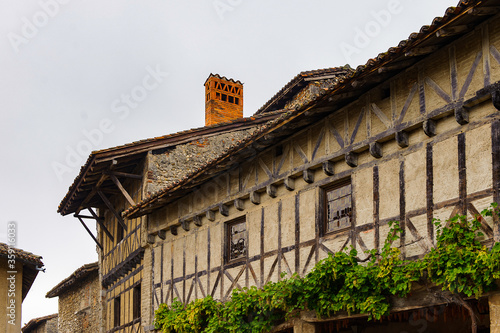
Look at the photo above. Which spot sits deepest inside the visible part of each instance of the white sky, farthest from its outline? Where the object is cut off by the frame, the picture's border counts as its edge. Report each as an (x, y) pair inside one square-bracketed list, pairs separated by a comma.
[(65, 73)]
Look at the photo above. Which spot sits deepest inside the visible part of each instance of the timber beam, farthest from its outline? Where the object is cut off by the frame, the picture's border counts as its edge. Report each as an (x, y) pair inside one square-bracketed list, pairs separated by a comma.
[(429, 127), (462, 115), (98, 220), (484, 11), (122, 189), (328, 168), (351, 158), (495, 98), (90, 233), (110, 207), (402, 139), (452, 31), (421, 51), (375, 149), (255, 197)]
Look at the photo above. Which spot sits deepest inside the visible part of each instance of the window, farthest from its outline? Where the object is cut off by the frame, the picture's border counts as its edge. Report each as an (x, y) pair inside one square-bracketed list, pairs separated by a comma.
[(137, 301), (117, 311), (236, 240), (119, 232), (338, 207)]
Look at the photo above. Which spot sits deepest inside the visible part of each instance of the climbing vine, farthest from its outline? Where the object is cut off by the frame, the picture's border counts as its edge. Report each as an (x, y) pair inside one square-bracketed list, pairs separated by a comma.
[(459, 263)]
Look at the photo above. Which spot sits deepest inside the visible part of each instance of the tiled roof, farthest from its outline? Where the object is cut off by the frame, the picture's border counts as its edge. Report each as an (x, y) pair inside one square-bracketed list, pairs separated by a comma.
[(279, 100), (24, 256), (34, 323), (373, 72), (137, 147), (75, 277)]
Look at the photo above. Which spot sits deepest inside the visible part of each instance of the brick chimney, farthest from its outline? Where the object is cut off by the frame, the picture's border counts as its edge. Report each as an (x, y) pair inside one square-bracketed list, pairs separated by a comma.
[(223, 99)]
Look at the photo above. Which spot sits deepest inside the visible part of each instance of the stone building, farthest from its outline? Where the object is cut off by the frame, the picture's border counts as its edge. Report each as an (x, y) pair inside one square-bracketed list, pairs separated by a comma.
[(18, 270), (80, 304), (325, 164), (46, 324)]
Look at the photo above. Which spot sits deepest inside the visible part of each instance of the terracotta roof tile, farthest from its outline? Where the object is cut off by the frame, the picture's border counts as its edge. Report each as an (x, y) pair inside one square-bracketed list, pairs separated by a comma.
[(25, 256)]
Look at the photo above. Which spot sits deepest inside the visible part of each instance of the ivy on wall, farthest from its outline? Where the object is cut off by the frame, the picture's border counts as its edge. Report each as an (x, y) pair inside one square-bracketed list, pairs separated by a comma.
[(459, 264)]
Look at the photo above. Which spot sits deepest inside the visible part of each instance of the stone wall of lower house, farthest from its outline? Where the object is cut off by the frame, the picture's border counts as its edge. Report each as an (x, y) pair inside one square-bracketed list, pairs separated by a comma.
[(49, 326), (169, 165), (80, 306)]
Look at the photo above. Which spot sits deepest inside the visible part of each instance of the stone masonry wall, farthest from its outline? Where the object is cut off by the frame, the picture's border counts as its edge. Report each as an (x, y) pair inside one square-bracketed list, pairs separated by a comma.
[(168, 166), (49, 326), (80, 306)]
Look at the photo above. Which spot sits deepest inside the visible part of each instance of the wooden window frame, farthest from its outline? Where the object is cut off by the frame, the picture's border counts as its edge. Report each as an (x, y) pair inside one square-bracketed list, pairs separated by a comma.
[(227, 242), (324, 203)]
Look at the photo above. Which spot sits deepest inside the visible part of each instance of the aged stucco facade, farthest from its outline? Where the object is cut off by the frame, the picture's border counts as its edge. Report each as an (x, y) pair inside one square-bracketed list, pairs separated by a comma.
[(18, 270), (332, 158)]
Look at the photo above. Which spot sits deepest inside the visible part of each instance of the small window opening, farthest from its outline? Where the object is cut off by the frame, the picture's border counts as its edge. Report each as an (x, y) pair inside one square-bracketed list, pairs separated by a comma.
[(137, 301), (117, 311)]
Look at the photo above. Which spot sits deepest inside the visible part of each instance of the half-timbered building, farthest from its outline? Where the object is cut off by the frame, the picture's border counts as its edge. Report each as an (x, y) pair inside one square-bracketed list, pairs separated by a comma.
[(117, 178), (335, 155)]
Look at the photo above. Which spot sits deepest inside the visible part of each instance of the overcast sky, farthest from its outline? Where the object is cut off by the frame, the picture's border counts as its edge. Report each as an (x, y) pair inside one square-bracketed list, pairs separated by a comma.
[(81, 75)]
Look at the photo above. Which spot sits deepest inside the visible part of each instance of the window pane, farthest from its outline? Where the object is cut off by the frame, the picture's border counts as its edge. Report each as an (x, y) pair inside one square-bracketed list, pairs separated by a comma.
[(338, 208), (237, 240)]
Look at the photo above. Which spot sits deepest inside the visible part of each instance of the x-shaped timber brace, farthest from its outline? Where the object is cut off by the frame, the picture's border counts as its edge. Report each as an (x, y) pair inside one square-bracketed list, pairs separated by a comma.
[(113, 175)]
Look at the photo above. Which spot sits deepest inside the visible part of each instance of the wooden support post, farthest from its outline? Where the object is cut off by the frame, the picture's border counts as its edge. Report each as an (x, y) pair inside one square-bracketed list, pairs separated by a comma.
[(223, 210), (162, 234), (290, 183), (255, 197), (271, 190), (210, 215), (376, 149), (494, 304), (110, 207), (328, 168), (429, 127), (90, 233), (462, 115), (122, 189), (351, 158), (101, 224), (308, 176), (197, 220), (402, 139)]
